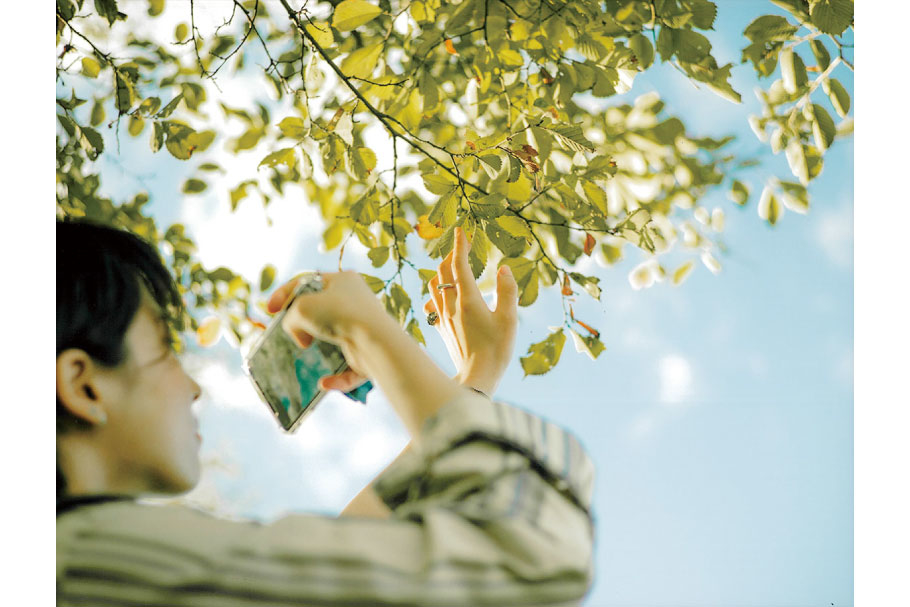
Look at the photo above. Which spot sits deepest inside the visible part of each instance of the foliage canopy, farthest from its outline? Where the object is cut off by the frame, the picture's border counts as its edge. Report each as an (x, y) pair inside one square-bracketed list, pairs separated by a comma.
[(498, 109)]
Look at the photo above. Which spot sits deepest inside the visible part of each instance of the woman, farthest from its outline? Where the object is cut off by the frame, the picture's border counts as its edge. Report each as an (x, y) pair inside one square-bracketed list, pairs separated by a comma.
[(489, 505)]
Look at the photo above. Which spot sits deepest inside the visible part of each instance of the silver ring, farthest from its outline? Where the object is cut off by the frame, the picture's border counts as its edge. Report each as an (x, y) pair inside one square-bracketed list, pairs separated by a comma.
[(445, 286)]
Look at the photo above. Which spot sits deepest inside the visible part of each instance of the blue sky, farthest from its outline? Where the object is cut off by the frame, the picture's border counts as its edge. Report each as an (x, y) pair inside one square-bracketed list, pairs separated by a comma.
[(720, 417)]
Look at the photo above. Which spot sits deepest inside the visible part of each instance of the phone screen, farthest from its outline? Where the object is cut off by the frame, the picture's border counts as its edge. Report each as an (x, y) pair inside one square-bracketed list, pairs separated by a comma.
[(287, 376)]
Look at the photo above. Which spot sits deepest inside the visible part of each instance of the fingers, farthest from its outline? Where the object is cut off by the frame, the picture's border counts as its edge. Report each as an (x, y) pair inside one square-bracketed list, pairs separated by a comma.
[(345, 381), (436, 294), (506, 294), (461, 266), (280, 296), (446, 276), (290, 325)]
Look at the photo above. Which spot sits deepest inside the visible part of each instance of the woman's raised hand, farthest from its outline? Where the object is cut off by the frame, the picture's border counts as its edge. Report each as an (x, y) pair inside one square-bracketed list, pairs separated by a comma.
[(480, 342)]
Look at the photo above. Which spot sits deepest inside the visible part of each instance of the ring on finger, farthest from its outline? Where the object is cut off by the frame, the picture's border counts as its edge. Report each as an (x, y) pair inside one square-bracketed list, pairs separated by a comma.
[(447, 285)]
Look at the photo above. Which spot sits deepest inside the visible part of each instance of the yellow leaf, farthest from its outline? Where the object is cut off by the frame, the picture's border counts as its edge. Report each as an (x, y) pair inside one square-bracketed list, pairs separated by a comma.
[(209, 331), (321, 33), (427, 230), (351, 14), (682, 272), (361, 62), (90, 67)]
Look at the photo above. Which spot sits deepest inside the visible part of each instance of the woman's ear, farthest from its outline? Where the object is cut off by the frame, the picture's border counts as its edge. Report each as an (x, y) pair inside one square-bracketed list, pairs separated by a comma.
[(77, 386)]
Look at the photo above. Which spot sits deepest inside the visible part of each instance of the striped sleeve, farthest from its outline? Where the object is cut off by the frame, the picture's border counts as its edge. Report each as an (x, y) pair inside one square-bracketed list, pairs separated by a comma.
[(492, 509)]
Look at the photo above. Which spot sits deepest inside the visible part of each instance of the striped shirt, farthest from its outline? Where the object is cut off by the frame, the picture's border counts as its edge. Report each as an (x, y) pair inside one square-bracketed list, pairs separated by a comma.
[(490, 507)]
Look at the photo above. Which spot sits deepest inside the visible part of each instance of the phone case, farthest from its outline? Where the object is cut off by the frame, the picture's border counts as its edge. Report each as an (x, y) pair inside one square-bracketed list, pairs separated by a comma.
[(285, 375)]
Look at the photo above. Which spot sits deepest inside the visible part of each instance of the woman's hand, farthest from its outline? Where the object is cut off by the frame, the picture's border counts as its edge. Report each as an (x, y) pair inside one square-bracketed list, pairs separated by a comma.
[(480, 342), (330, 315)]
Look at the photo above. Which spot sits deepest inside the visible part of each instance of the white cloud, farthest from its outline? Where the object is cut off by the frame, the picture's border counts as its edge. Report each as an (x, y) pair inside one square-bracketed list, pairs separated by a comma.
[(834, 234), (675, 375)]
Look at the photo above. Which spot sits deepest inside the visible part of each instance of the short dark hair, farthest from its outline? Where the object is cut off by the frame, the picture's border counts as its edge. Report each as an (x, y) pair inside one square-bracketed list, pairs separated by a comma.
[(99, 272)]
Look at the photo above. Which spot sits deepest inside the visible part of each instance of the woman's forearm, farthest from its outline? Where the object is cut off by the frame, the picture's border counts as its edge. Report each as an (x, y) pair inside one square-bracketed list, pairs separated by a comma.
[(367, 503), (414, 385)]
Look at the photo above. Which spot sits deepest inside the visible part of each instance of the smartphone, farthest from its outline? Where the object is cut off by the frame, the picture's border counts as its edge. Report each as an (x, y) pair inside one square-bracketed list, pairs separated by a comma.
[(285, 375)]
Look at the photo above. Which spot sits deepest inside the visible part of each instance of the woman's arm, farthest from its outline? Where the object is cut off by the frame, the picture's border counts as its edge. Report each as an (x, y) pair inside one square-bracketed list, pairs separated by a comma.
[(478, 340)]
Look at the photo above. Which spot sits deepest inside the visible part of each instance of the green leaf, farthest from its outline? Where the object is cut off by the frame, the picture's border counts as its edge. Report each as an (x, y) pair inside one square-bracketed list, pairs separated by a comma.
[(770, 28), (90, 67), (590, 345), (170, 107), (135, 125), (682, 272), (795, 196), (611, 253), (179, 142), (91, 142), (831, 16), (838, 95), (293, 127), (527, 276), (125, 93), (363, 161), (157, 138), (489, 207), (362, 62), (514, 169), (181, 32), (768, 206), (155, 7), (739, 192), (378, 255), (66, 8), (514, 225), (266, 277), (596, 196), (425, 277), (703, 13), (194, 186), (351, 14), (822, 57), (502, 240), (376, 284), (571, 137), (588, 283), (321, 33), (444, 244), (108, 10), (479, 253), (413, 329), (149, 105), (823, 128), (285, 156), (438, 184), (543, 355), (365, 210), (460, 16), (643, 50), (793, 71), (796, 158), (332, 235), (399, 303), (97, 116), (445, 209)]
